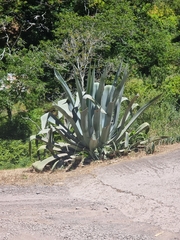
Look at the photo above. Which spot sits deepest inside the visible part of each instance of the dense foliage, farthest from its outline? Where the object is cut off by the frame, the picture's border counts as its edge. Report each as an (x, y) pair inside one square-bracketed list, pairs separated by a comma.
[(38, 36)]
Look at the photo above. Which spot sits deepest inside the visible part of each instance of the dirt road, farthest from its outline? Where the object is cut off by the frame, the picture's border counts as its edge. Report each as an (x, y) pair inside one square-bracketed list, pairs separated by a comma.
[(134, 199)]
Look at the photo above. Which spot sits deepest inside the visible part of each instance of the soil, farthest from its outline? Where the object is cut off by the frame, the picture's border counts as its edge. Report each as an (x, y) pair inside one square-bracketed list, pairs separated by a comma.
[(135, 197)]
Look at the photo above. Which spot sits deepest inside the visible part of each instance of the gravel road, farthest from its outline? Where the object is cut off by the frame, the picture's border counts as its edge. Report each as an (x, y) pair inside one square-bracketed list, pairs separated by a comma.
[(135, 199)]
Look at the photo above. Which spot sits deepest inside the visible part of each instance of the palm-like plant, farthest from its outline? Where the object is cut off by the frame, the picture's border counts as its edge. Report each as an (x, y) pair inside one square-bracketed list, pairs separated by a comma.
[(92, 121)]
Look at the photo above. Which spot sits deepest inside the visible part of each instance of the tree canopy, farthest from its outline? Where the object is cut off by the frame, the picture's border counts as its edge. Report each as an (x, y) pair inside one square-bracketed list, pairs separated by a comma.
[(36, 36)]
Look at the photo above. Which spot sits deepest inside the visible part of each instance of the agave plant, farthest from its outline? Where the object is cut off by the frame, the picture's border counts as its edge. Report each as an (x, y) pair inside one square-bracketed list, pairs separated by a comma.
[(90, 121)]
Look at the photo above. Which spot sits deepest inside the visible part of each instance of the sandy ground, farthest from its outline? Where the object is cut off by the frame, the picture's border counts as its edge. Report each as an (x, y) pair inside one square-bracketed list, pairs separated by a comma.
[(136, 197)]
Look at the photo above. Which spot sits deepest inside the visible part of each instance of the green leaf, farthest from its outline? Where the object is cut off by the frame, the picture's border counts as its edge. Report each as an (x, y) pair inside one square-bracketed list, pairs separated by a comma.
[(65, 87), (118, 73), (88, 96), (79, 88), (127, 112), (77, 130), (68, 139), (140, 111), (100, 90), (109, 111), (44, 120), (104, 135), (120, 88), (126, 145), (40, 165), (85, 126), (63, 104), (117, 113), (90, 82), (107, 96), (97, 122), (93, 143)]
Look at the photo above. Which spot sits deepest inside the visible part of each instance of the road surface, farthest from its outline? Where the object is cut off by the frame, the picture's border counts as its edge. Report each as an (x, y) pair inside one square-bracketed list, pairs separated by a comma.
[(136, 199)]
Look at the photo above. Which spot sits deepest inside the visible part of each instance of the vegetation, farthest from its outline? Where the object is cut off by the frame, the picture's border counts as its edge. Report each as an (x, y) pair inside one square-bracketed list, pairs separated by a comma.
[(94, 122), (71, 36)]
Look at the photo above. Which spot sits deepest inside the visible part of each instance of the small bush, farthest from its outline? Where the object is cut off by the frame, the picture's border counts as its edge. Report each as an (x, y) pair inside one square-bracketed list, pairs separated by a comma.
[(164, 116), (14, 154), (14, 129)]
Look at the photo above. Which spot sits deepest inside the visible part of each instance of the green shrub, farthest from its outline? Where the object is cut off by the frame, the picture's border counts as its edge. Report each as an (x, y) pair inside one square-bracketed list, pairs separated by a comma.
[(16, 128), (171, 88), (14, 154), (164, 116)]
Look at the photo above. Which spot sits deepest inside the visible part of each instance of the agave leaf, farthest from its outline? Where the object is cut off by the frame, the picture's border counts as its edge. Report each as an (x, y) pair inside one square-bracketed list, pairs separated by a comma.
[(85, 126), (92, 105), (43, 131), (140, 111), (64, 86), (67, 133), (79, 88), (126, 140), (93, 143), (77, 102), (94, 92), (76, 117), (44, 120), (87, 96), (106, 98), (73, 144), (42, 147), (54, 165), (108, 117), (77, 130), (63, 104), (149, 140), (49, 117), (77, 148), (127, 112), (97, 122), (33, 137), (117, 113), (118, 73), (50, 143), (104, 135), (120, 88), (109, 92), (43, 139), (90, 82), (113, 92), (143, 127), (61, 145), (40, 165), (135, 105), (100, 90), (36, 138)]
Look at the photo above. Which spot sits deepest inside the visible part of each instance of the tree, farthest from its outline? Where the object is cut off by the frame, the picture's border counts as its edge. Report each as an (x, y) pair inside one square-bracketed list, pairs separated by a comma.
[(78, 44), (79, 51), (25, 69), (31, 21)]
